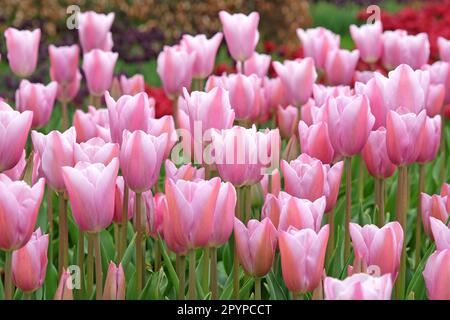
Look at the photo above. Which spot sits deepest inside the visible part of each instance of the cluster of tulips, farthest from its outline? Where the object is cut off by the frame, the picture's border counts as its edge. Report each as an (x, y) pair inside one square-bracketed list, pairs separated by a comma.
[(184, 187)]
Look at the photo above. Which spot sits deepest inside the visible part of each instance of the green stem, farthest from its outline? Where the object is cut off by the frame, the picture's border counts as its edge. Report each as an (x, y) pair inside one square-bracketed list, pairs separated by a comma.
[(26, 296), (98, 267), (181, 275), (330, 246), (257, 288), (157, 252), (90, 266), (214, 284), (81, 259), (205, 276), (63, 234), (124, 223), (419, 214), (348, 205), (361, 175), (49, 199), (402, 195), (248, 203), (139, 237), (8, 276), (192, 280), (64, 116), (240, 198)]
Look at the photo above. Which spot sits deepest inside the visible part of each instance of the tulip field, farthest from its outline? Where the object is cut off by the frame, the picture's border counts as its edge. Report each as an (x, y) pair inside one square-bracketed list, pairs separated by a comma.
[(319, 175)]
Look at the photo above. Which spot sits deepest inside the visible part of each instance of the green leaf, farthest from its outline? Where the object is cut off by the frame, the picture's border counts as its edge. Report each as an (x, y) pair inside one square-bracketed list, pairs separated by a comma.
[(417, 284), (128, 253), (2, 290), (275, 289), (173, 277), (247, 289), (51, 281)]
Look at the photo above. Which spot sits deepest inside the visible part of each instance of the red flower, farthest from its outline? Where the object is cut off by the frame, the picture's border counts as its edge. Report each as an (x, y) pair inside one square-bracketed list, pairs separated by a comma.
[(163, 105)]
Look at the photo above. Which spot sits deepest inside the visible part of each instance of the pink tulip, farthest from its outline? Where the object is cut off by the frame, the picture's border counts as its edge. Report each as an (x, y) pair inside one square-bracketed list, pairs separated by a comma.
[(179, 59), (159, 126), (14, 129), (332, 183), (20, 206), (302, 257), (439, 75), (368, 40), (86, 124), (312, 114), (294, 75), (191, 207), (155, 207), (399, 48), (64, 63), (444, 49), (435, 99), (441, 234), (445, 191), (205, 52), (375, 155), (241, 33), (129, 113), (257, 64), (340, 66), (223, 215), (378, 248), (115, 283), (286, 119), (317, 42), (141, 156), (349, 114), (56, 150), (363, 76), (255, 245), (274, 93), (29, 263), (37, 98), (132, 85), (403, 136), (185, 172), (315, 141), (98, 67), (69, 92), (64, 291), (17, 172), (243, 155), (23, 49), (96, 150), (118, 201), (89, 185), (431, 138), (94, 31), (433, 206), (321, 93), (359, 286), (374, 89), (437, 275), (275, 183)]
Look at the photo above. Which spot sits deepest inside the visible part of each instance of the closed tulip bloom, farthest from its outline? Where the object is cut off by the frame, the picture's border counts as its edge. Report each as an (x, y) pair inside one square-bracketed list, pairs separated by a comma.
[(275, 183), (340, 66), (294, 75), (133, 85), (439, 75), (272, 207), (374, 89), (141, 157), (128, 113), (223, 215), (191, 207), (418, 50), (89, 185), (302, 257), (445, 191), (98, 67), (68, 93), (64, 63), (403, 136), (86, 123), (96, 150), (349, 114), (29, 263), (333, 176), (431, 138), (274, 93), (368, 40), (399, 48), (115, 283), (118, 201), (433, 206), (435, 99), (437, 275), (179, 59), (155, 209), (255, 245), (359, 286), (317, 42), (185, 172), (444, 49), (321, 93), (94, 30), (56, 151), (375, 155), (441, 234), (20, 206), (164, 125), (286, 119), (243, 155), (23, 49), (379, 248), (364, 76), (205, 52), (241, 33), (37, 98), (17, 172), (14, 129), (64, 290), (257, 64), (315, 141)]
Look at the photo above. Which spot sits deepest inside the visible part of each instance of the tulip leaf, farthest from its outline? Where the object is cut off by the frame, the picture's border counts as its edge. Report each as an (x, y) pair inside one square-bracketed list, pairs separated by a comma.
[(274, 288), (168, 264), (2, 290), (416, 284), (228, 287), (246, 290), (128, 253), (51, 281), (108, 245)]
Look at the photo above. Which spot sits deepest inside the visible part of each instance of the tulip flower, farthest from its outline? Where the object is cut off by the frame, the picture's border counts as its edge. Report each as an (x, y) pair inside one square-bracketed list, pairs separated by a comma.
[(321, 93), (439, 75), (368, 40), (17, 172), (375, 155), (88, 185), (399, 48), (96, 150), (294, 75), (445, 191), (374, 89), (274, 93), (64, 63), (363, 76), (257, 64), (68, 93), (15, 127), (155, 209), (29, 263), (86, 124), (271, 183), (94, 31), (141, 157), (114, 283), (359, 286), (175, 58), (205, 52), (37, 98), (256, 245), (431, 138), (315, 141), (317, 42), (159, 126), (444, 49), (286, 119), (128, 113), (433, 207), (98, 67), (64, 291), (185, 172), (302, 258), (437, 275), (378, 248), (132, 85), (118, 201), (340, 66), (23, 49), (441, 234), (241, 33)]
